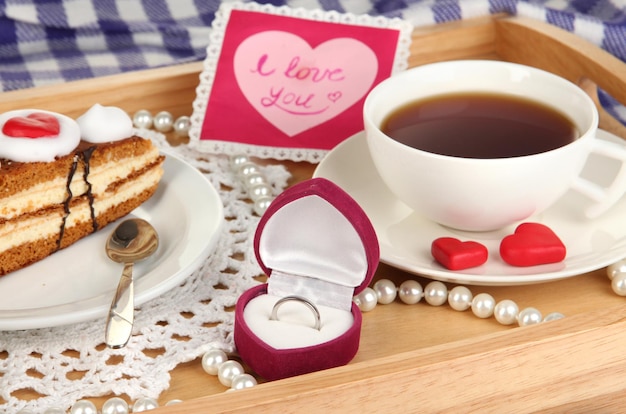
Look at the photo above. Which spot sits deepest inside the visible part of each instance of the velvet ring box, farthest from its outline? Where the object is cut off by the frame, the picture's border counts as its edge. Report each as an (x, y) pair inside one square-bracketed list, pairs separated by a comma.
[(315, 242)]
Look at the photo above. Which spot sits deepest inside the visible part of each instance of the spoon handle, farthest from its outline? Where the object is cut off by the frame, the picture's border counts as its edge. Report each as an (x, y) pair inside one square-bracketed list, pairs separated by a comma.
[(120, 322)]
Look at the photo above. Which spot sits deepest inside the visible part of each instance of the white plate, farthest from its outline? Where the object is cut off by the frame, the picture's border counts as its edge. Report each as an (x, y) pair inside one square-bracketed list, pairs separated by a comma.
[(405, 237), (77, 283)]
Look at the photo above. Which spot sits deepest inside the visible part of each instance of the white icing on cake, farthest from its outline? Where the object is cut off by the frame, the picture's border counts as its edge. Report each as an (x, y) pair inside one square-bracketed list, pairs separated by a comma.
[(105, 124), (44, 149)]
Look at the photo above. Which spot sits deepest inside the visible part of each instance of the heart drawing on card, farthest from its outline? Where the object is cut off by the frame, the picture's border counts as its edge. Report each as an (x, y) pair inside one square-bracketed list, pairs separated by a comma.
[(296, 87), (34, 125)]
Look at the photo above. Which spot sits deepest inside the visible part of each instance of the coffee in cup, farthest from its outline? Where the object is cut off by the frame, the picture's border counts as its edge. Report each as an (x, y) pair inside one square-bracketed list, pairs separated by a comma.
[(479, 145)]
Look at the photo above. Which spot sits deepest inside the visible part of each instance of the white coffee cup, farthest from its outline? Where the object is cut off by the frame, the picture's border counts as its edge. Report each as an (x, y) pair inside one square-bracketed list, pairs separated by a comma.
[(487, 194)]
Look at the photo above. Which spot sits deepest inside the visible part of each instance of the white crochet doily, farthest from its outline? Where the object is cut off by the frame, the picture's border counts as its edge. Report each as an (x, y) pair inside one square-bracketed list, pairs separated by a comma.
[(43, 359)]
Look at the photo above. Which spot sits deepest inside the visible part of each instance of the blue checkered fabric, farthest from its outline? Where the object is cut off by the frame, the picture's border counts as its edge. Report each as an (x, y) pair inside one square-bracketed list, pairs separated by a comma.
[(52, 41)]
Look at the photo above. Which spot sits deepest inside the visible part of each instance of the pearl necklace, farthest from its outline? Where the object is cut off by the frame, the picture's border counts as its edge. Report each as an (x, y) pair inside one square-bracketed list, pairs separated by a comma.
[(617, 275), (255, 183), (460, 298), (162, 122)]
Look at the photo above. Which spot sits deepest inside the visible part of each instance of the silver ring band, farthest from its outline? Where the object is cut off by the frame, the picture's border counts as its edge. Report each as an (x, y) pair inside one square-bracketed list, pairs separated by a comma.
[(304, 301)]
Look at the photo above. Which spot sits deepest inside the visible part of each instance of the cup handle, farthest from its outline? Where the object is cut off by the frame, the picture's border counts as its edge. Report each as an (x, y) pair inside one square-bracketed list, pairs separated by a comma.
[(604, 197)]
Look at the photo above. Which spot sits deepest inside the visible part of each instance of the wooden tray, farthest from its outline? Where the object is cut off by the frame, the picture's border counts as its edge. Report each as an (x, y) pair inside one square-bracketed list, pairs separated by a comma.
[(424, 358)]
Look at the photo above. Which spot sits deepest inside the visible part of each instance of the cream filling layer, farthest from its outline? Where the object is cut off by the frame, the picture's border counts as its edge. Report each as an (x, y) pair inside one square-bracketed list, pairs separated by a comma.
[(125, 192), (114, 171), (54, 192), (16, 233), (35, 228)]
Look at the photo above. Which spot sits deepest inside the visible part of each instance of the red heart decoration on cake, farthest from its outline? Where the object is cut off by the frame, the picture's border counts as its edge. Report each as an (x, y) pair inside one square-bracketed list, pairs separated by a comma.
[(532, 244), (457, 255), (35, 125)]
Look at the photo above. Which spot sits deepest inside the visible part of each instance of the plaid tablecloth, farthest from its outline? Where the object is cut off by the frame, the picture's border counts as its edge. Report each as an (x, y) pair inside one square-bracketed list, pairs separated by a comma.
[(51, 41)]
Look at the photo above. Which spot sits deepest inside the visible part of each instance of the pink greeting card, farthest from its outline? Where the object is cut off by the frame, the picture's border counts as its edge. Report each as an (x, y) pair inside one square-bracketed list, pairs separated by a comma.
[(290, 84)]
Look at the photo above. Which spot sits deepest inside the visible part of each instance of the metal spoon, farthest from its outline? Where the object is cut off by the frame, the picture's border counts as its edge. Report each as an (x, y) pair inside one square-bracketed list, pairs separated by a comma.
[(133, 240)]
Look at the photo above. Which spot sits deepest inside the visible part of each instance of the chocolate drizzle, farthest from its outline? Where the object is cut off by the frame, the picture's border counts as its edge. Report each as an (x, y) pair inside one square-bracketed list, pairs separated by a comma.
[(68, 199), (84, 156)]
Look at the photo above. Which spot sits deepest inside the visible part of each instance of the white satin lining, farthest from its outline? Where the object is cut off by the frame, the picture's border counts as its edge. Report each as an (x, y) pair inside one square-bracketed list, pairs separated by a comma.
[(294, 327), (310, 240), (319, 291)]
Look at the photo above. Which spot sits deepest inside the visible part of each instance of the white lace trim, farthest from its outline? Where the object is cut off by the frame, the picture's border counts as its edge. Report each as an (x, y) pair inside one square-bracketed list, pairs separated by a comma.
[(213, 52), (48, 360)]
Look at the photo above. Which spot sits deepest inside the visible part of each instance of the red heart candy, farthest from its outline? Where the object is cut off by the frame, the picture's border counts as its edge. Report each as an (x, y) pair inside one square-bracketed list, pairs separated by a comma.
[(532, 244), (35, 125), (457, 255)]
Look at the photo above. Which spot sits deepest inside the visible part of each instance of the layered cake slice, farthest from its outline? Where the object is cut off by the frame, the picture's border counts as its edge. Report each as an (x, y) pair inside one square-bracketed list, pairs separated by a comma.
[(63, 179)]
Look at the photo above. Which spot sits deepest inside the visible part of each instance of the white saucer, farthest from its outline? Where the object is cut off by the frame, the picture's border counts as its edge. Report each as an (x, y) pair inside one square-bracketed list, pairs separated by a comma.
[(405, 237), (76, 284)]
